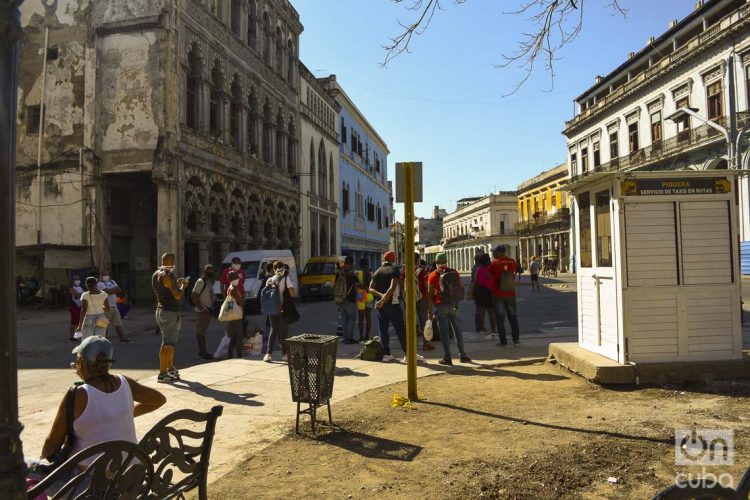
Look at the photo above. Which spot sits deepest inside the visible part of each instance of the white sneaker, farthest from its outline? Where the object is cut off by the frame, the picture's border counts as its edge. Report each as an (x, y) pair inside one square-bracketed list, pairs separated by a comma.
[(420, 358), (387, 358), (267, 358), (283, 358)]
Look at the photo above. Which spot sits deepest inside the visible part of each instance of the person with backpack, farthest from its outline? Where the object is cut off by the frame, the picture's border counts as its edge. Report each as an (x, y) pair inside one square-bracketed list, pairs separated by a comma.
[(271, 301), (503, 270), (421, 275), (345, 295), (386, 285), (202, 298), (445, 290)]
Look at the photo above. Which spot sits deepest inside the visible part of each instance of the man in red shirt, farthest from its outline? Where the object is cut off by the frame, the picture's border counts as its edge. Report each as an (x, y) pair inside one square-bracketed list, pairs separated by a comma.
[(447, 313), (224, 280), (503, 270)]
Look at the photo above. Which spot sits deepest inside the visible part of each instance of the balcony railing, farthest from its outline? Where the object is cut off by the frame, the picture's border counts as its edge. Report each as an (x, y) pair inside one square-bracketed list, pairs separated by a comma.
[(731, 21), (561, 216), (687, 139)]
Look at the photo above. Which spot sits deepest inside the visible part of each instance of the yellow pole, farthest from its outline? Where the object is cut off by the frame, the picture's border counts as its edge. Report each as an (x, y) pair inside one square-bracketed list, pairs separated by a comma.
[(411, 297)]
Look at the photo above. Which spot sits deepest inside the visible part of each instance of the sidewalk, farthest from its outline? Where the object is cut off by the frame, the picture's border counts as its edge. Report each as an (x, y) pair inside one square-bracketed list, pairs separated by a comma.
[(257, 401)]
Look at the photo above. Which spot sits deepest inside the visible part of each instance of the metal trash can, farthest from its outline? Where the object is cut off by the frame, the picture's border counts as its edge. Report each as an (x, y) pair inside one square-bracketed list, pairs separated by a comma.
[(312, 363)]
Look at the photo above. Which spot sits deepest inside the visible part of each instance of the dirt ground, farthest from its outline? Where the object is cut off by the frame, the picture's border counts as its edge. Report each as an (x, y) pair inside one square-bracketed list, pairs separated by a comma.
[(510, 431)]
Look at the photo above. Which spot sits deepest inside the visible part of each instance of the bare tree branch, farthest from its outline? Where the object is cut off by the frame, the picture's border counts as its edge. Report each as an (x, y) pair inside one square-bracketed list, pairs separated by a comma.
[(556, 23)]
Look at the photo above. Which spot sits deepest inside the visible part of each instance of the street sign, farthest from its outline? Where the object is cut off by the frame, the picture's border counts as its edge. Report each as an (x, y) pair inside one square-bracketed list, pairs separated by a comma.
[(400, 181)]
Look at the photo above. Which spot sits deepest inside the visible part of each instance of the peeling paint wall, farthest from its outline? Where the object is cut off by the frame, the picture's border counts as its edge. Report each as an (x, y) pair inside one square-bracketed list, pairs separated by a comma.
[(128, 67)]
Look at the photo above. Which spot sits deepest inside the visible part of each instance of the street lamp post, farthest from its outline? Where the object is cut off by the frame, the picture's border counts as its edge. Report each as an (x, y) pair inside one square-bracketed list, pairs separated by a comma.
[(12, 468)]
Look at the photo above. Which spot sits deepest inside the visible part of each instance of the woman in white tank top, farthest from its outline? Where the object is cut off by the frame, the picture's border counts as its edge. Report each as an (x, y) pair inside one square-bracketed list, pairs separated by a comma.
[(105, 404), (93, 306)]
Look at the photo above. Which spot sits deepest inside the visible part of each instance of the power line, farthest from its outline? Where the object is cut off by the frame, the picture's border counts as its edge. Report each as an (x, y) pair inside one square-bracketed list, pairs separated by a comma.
[(48, 206)]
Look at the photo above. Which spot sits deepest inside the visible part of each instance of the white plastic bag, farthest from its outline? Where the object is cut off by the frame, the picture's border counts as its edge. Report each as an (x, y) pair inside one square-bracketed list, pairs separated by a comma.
[(230, 310), (223, 350), (427, 330), (252, 346)]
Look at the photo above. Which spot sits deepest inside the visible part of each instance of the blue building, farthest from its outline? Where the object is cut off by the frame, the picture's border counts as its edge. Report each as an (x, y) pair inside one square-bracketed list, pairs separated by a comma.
[(365, 214)]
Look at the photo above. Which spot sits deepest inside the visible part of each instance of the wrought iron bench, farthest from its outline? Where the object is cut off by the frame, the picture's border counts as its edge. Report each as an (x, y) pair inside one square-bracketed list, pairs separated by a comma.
[(119, 470), (168, 462), (180, 455)]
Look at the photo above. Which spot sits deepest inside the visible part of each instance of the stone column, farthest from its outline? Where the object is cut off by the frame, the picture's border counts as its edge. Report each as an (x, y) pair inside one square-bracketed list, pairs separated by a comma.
[(203, 252), (168, 221)]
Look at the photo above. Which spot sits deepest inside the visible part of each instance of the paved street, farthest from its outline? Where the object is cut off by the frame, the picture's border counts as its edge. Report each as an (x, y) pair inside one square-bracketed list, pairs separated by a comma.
[(44, 355)]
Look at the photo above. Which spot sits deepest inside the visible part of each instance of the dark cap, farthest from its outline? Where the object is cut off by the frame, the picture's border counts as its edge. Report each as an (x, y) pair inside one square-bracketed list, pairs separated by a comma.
[(348, 259), (90, 348)]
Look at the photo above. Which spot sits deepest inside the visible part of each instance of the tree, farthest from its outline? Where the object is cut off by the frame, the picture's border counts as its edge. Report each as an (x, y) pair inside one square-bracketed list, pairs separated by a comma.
[(556, 23)]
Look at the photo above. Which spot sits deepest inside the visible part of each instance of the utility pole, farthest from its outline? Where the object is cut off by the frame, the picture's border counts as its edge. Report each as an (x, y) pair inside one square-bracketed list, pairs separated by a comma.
[(12, 467)]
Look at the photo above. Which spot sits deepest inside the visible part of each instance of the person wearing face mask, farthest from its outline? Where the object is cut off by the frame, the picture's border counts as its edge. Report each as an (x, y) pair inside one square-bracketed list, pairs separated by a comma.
[(104, 406), (168, 291), (234, 328), (111, 288), (203, 299), (279, 326), (75, 292), (224, 278)]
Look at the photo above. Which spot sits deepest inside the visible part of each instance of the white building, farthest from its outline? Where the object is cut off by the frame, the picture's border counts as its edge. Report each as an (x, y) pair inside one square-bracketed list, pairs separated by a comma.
[(477, 225), (624, 121), (319, 169)]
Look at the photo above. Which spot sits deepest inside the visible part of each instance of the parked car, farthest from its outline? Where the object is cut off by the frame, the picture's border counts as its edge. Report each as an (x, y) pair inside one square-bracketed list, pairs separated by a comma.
[(252, 262), (319, 276)]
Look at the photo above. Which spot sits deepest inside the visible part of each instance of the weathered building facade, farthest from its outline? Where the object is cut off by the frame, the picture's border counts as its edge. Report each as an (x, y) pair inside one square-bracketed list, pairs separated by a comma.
[(477, 225), (173, 124), (543, 225), (319, 169)]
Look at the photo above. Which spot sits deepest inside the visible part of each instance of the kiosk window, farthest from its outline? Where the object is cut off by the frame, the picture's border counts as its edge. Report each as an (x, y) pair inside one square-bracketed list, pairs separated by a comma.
[(585, 230), (603, 230)]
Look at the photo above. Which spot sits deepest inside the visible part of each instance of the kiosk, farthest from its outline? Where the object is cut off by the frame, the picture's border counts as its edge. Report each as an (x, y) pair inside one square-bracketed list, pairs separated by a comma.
[(658, 271)]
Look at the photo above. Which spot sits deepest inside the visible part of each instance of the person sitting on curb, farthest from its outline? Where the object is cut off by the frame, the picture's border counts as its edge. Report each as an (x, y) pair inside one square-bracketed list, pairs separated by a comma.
[(104, 407)]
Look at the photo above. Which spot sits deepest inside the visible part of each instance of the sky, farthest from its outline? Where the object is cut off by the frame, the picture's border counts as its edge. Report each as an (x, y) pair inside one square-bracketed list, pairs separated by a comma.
[(446, 104)]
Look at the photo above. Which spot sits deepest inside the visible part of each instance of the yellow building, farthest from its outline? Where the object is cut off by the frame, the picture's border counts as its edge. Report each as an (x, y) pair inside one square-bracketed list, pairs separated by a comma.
[(543, 226)]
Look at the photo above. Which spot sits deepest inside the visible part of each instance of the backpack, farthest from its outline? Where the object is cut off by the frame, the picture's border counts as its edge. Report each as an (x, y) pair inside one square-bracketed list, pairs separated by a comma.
[(270, 299), (340, 290), (371, 350), (507, 282), (451, 288)]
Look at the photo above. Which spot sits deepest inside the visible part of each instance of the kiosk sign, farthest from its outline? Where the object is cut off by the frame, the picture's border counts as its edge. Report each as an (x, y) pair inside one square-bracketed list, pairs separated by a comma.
[(675, 187)]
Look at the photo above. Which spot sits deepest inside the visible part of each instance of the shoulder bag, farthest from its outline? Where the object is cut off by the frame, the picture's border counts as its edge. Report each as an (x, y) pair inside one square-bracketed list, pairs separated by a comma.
[(289, 308)]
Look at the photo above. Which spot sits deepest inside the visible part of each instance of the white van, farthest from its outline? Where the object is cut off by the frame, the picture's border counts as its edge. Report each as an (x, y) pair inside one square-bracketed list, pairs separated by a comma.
[(252, 262)]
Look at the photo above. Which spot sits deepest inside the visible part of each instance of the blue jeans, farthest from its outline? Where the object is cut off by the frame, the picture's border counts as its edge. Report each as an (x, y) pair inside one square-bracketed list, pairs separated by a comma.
[(391, 314), (502, 306), (447, 318), (348, 319)]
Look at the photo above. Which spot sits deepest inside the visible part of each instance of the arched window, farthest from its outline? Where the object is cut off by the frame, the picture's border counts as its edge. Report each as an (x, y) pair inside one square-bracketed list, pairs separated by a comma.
[(279, 51), (252, 25), (235, 14), (234, 114), (323, 171), (267, 125), (291, 62), (291, 147), (217, 98), (280, 140), (267, 35), (193, 91), (313, 176), (252, 123), (330, 177)]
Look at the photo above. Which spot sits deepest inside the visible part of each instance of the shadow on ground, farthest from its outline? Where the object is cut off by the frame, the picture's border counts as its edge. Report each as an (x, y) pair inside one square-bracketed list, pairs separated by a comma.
[(371, 446), (230, 398)]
